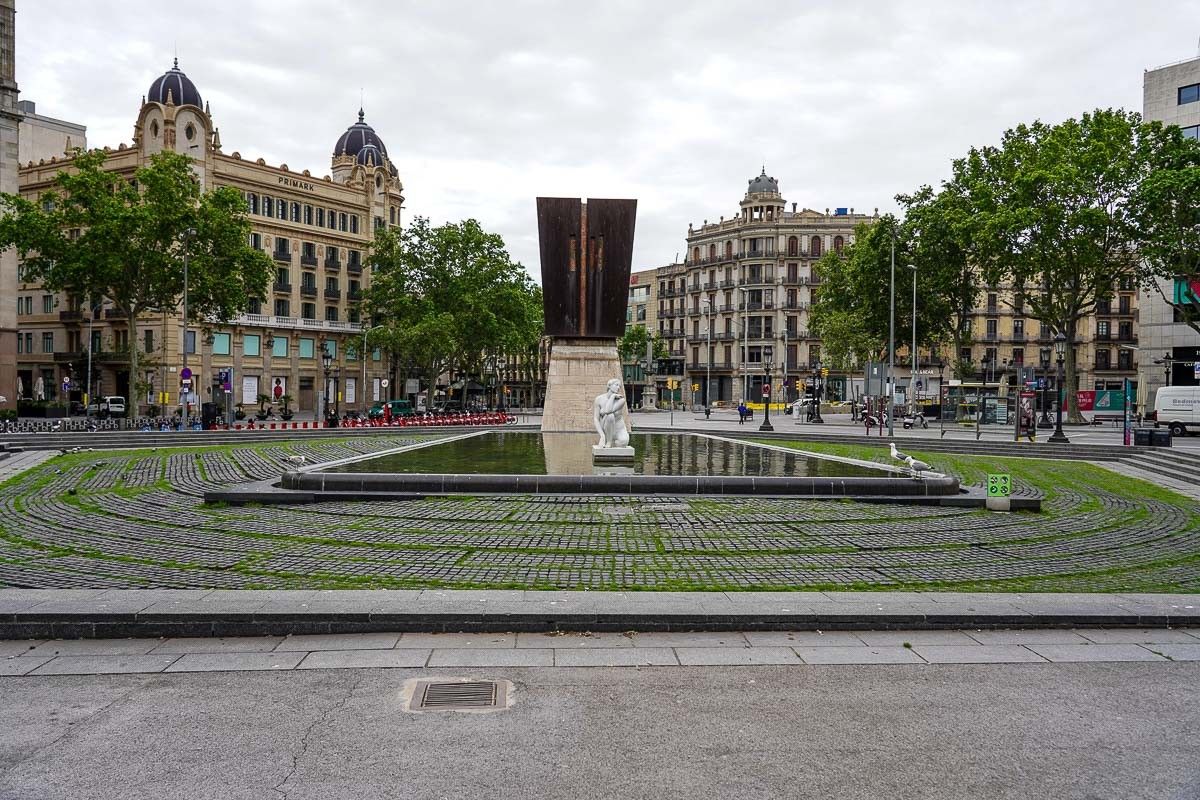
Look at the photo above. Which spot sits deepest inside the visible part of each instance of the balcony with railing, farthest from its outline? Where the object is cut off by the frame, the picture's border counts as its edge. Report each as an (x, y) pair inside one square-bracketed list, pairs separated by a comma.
[(70, 317), (278, 322), (308, 259), (754, 305), (333, 293), (115, 313), (716, 366), (308, 290), (333, 264), (282, 288), (354, 264), (728, 283), (281, 254)]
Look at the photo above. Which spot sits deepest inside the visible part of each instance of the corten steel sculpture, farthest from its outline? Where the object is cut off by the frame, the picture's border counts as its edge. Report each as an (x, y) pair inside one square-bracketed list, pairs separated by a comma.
[(586, 251)]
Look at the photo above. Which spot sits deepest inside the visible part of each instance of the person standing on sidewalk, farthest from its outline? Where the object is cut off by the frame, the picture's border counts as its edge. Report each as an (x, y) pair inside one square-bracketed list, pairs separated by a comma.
[(742, 412)]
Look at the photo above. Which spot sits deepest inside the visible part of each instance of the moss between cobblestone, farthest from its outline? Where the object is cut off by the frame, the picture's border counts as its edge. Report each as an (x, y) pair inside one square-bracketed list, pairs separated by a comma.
[(595, 543)]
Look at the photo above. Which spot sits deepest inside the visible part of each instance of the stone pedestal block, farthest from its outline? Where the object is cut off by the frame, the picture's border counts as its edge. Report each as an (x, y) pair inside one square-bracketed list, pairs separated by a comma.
[(579, 370)]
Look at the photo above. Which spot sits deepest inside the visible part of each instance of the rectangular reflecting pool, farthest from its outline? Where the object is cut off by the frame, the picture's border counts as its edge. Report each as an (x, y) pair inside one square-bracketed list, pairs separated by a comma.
[(672, 454)]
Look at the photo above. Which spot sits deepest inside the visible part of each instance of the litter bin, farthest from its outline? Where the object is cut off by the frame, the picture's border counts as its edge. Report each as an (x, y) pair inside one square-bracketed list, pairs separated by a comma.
[(1143, 437), (1160, 437), (208, 415)]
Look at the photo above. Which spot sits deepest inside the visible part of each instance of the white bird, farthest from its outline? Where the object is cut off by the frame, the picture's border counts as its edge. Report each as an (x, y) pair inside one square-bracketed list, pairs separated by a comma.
[(915, 466), (295, 459)]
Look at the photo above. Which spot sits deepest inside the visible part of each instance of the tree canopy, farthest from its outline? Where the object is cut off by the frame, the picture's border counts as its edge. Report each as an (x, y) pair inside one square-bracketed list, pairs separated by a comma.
[(99, 234), (632, 345), (448, 297)]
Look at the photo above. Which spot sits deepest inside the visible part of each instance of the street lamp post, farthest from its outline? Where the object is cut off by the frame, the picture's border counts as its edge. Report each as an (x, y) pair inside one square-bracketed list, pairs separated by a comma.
[(708, 360), (326, 362), (1044, 423), (912, 383), (891, 399), (817, 392), (187, 234), (1060, 349), (769, 366)]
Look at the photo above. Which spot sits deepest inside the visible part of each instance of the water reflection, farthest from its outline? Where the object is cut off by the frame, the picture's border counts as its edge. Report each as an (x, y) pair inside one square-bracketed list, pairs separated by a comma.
[(530, 453)]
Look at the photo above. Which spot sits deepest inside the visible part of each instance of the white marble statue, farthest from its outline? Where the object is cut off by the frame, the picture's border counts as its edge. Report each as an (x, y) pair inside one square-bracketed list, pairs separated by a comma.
[(609, 415)]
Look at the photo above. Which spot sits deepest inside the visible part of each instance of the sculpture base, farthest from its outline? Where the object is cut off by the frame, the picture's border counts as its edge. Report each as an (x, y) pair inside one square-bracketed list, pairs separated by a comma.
[(611, 454), (579, 370)]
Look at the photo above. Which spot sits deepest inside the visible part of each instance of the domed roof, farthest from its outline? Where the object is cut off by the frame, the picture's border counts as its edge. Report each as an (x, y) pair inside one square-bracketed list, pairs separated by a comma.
[(370, 156), (182, 91), (763, 183), (356, 137)]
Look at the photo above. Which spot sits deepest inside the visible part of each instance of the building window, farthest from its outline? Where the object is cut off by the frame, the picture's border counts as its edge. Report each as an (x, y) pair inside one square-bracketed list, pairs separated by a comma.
[(306, 348), (815, 248), (279, 348), (282, 308), (379, 223), (392, 215), (308, 280), (283, 277), (268, 207), (838, 242), (252, 202), (220, 346), (1192, 132), (331, 348), (308, 215), (281, 208), (793, 246), (20, 343), (354, 223), (343, 221), (148, 340), (254, 306), (189, 343), (1102, 329), (331, 314), (1018, 356), (320, 218), (256, 241), (354, 316), (47, 304), (47, 342), (332, 220), (354, 259), (308, 310), (295, 212), (1189, 94), (991, 328), (251, 345)]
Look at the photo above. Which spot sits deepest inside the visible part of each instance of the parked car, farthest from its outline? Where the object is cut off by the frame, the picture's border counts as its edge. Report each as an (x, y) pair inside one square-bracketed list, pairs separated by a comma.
[(110, 406), (400, 408), (1177, 408), (77, 409)]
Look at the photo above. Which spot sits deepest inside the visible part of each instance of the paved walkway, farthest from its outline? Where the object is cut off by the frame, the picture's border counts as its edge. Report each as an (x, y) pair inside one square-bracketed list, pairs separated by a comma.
[(586, 649)]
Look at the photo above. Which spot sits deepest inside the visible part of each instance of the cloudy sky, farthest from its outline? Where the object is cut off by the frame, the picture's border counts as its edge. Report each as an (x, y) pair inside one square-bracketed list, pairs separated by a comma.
[(486, 105)]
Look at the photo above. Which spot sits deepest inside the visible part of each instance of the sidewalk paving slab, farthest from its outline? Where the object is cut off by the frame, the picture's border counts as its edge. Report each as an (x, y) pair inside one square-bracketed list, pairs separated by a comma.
[(805, 638), (1061, 653), (363, 659), (20, 665), (228, 662), (224, 644), (456, 657), (977, 654), (495, 641), (691, 639), (723, 656), (616, 657), (1176, 652), (1138, 636), (340, 641), (574, 641), (858, 655), (885, 638), (1029, 636), (96, 647), (105, 665)]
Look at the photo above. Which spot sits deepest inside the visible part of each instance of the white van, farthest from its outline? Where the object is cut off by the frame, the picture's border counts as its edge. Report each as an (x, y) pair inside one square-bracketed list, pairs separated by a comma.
[(1178, 408)]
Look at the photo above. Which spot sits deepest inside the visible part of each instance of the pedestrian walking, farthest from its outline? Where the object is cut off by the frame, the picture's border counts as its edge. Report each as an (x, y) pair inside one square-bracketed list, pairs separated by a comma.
[(742, 411)]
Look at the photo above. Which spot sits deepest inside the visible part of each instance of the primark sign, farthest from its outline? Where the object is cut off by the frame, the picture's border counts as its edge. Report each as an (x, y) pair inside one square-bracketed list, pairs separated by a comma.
[(295, 183)]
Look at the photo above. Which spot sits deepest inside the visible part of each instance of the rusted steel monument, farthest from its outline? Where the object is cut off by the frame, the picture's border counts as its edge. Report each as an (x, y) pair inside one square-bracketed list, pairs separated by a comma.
[(586, 251)]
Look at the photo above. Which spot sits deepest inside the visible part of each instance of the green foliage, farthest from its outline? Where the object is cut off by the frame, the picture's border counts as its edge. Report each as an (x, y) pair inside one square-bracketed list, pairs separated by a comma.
[(1052, 216), (449, 296), (1166, 209), (99, 234), (632, 345)]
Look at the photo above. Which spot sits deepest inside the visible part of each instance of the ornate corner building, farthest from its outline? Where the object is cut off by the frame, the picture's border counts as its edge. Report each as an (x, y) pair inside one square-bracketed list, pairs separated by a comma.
[(752, 279), (316, 229)]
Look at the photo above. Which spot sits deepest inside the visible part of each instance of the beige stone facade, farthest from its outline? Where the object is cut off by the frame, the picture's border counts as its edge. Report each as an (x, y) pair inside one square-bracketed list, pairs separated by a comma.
[(10, 119), (752, 278), (579, 371), (317, 229), (1005, 339)]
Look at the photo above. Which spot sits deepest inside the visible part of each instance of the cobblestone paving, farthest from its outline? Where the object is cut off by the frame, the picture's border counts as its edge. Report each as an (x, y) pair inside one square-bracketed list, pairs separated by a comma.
[(135, 520)]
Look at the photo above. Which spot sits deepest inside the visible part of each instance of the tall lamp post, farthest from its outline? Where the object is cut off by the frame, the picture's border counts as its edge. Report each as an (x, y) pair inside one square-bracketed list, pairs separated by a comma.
[(187, 235), (326, 362), (817, 391), (916, 367), (1044, 423), (708, 309), (1060, 349), (768, 366), (891, 398)]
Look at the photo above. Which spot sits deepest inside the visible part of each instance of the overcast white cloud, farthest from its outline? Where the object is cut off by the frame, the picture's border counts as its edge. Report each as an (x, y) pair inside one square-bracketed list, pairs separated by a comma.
[(486, 105)]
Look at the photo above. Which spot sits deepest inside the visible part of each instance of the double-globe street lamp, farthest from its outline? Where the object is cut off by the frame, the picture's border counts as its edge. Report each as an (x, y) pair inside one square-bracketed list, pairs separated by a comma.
[(1045, 423), (768, 353), (336, 372), (1060, 349)]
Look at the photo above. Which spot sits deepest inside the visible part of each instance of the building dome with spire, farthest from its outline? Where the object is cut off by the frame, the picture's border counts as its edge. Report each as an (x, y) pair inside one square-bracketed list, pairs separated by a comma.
[(356, 137), (763, 183), (174, 84)]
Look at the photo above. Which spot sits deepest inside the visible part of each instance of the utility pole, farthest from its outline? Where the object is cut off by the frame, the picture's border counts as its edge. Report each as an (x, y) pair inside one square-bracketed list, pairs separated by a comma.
[(912, 383), (891, 405)]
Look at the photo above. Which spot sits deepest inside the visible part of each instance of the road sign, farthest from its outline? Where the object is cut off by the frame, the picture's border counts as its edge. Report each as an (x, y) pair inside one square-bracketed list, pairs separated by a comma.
[(66, 384), (384, 383), (186, 383), (766, 390), (999, 485), (185, 373), (1196, 370)]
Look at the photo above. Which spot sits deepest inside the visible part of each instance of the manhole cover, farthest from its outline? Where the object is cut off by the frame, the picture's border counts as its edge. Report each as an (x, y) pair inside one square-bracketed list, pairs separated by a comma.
[(459, 696)]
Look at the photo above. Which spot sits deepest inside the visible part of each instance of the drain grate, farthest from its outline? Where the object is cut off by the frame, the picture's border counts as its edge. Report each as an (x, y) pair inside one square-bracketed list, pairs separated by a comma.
[(440, 696)]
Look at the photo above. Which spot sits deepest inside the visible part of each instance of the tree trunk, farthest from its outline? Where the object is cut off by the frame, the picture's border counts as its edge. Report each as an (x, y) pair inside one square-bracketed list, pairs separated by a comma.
[(1069, 375), (133, 402)]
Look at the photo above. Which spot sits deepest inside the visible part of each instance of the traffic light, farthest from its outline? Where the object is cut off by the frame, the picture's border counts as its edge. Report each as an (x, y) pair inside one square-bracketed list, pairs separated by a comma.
[(824, 372)]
